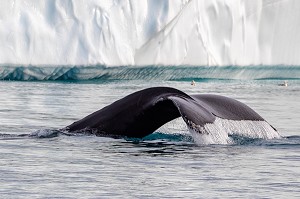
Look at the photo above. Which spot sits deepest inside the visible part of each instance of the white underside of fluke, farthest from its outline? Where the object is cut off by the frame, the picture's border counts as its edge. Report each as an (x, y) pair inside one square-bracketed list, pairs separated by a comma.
[(221, 130)]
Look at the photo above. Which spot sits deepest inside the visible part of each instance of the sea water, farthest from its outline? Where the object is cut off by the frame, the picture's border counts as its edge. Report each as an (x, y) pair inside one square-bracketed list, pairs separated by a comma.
[(166, 164)]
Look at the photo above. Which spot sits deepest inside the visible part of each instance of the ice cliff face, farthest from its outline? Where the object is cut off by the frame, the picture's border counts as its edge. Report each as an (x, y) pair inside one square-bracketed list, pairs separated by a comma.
[(140, 32)]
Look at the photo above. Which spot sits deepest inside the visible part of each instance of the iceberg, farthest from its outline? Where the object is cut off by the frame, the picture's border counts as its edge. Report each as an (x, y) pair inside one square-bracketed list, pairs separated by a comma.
[(137, 33)]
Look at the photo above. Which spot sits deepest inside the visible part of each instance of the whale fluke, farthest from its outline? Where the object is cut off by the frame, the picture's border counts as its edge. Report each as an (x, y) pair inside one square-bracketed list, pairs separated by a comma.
[(141, 113)]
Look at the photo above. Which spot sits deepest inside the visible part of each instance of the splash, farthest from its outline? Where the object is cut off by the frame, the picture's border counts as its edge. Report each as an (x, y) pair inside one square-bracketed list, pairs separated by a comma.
[(222, 130), (45, 133)]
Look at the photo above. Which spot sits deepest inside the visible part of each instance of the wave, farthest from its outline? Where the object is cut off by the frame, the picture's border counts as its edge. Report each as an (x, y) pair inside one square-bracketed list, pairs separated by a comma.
[(176, 73)]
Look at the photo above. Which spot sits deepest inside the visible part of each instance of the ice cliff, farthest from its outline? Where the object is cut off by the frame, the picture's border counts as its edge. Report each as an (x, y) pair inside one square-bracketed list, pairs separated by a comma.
[(153, 32)]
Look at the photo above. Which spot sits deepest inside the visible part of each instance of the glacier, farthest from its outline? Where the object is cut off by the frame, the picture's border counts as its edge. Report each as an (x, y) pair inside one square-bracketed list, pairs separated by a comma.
[(153, 32)]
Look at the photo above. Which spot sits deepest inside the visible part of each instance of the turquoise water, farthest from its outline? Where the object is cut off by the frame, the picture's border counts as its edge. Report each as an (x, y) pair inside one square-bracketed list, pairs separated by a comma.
[(163, 165), (179, 73)]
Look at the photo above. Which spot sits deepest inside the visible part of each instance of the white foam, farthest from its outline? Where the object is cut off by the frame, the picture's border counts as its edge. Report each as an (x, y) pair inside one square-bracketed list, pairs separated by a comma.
[(45, 133), (219, 131), (174, 126)]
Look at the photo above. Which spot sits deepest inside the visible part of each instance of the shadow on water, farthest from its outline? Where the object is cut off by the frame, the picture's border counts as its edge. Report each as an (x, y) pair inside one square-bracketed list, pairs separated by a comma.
[(162, 143)]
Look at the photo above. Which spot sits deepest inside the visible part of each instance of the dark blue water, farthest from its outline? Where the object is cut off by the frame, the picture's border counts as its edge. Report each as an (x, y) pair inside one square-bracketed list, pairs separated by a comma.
[(168, 163)]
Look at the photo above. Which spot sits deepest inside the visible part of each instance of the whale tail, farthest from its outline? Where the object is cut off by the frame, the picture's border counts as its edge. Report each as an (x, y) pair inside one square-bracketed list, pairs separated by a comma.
[(141, 113)]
